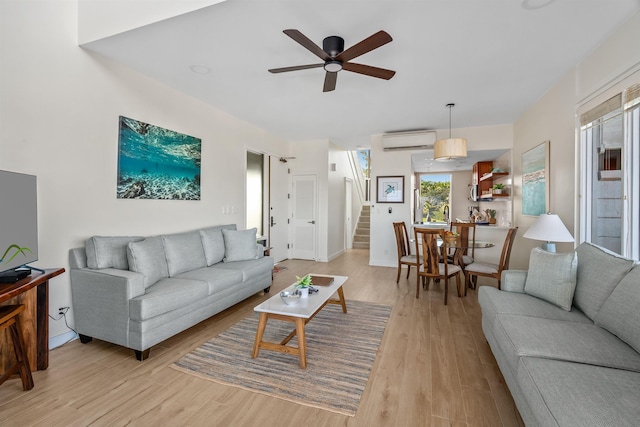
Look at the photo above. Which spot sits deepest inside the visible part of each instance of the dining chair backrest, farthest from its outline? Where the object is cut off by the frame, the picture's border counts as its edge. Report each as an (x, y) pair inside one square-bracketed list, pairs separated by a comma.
[(467, 231), (427, 239), (506, 249), (402, 239)]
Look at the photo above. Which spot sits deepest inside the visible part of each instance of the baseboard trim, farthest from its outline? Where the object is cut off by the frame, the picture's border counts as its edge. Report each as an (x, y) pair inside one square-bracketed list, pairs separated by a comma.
[(336, 255), (60, 340)]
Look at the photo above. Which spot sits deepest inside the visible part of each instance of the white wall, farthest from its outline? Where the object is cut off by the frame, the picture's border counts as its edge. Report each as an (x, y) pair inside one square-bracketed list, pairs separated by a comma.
[(59, 109), (382, 246), (553, 118)]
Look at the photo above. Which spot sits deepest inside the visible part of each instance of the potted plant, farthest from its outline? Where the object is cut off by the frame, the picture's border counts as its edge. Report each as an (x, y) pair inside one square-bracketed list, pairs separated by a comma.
[(497, 188), (303, 284), (492, 216)]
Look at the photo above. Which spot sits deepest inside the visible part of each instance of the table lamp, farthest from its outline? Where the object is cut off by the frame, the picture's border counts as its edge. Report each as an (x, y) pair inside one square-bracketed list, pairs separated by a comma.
[(548, 227)]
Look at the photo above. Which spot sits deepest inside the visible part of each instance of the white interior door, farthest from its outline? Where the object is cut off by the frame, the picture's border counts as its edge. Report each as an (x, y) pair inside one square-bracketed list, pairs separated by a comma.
[(304, 212), (348, 207), (278, 208)]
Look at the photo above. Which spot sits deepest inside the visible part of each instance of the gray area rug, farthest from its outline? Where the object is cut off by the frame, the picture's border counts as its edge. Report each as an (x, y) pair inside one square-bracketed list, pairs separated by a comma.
[(341, 349)]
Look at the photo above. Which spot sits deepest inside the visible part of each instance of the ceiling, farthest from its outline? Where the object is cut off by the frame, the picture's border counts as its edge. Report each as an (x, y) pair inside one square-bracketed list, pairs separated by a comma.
[(492, 58)]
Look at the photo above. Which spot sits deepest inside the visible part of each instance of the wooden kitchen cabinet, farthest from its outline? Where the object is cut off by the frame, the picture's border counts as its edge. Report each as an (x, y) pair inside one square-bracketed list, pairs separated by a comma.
[(479, 170)]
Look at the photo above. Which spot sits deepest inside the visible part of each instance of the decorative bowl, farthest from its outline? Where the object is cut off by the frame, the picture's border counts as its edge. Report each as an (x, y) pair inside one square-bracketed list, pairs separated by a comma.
[(290, 297), (451, 239)]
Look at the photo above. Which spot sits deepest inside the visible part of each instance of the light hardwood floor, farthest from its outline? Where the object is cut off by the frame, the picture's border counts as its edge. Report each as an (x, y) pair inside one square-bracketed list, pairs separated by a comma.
[(434, 367)]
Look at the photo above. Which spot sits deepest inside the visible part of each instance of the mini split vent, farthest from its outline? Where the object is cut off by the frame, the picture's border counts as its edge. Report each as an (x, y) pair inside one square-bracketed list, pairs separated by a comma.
[(417, 140)]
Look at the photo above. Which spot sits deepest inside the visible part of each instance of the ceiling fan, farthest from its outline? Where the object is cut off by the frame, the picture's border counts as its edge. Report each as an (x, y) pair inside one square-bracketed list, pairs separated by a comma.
[(336, 58)]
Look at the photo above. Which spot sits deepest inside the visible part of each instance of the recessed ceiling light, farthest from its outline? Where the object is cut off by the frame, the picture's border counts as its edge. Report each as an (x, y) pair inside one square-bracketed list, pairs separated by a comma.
[(200, 69), (536, 4)]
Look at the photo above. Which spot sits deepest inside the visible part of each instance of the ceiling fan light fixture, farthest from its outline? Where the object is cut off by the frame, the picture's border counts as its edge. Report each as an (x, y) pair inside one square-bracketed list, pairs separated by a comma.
[(333, 66), (446, 150)]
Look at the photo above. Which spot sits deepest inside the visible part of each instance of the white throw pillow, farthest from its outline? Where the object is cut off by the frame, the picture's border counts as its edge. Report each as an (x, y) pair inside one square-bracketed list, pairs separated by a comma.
[(240, 245), (552, 277)]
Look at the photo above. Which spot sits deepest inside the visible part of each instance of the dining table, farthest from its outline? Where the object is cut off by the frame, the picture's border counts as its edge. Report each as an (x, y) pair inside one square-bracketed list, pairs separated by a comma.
[(459, 248)]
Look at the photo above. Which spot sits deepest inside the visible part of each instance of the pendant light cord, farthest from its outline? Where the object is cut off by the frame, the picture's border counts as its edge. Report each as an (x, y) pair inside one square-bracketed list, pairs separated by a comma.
[(450, 107)]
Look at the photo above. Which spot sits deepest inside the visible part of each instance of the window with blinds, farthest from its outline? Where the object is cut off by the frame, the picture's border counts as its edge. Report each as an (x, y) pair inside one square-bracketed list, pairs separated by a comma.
[(610, 147)]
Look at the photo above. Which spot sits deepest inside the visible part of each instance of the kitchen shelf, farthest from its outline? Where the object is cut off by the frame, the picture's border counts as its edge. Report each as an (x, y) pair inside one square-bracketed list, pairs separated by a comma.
[(492, 196), (493, 175)]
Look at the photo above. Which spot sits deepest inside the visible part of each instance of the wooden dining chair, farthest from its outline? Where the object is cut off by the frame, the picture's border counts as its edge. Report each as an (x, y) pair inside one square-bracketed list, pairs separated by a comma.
[(404, 249), (433, 265), (467, 233), (485, 269)]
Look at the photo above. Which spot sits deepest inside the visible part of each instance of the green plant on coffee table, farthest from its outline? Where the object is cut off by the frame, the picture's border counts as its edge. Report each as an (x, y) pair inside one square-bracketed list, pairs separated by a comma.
[(303, 282)]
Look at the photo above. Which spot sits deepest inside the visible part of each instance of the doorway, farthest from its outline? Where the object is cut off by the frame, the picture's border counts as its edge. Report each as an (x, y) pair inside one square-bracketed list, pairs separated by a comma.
[(267, 201)]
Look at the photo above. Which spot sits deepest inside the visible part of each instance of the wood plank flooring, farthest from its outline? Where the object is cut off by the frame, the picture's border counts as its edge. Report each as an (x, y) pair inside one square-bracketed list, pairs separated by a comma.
[(434, 368)]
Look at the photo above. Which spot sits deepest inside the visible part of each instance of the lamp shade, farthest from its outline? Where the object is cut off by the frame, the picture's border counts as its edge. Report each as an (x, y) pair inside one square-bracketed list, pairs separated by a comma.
[(450, 149), (549, 228)]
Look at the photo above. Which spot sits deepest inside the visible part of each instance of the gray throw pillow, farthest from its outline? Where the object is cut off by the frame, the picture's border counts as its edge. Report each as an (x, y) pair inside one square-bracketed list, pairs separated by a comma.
[(108, 252), (240, 245), (620, 314), (147, 257), (552, 277), (184, 252), (213, 242)]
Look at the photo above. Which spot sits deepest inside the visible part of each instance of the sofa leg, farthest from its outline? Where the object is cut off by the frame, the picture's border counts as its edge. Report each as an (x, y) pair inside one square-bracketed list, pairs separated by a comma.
[(267, 289), (85, 339), (142, 355)]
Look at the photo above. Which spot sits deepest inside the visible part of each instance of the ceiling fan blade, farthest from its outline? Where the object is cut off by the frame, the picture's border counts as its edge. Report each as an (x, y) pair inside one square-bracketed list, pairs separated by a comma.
[(367, 45), (330, 81), (295, 68), (368, 70), (305, 42)]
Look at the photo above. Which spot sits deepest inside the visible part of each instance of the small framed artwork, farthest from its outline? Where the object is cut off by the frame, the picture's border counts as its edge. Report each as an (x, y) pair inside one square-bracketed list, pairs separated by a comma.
[(535, 180), (390, 189)]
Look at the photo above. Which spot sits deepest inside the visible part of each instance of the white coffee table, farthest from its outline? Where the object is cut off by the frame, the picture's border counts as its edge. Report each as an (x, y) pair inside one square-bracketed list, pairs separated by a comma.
[(300, 314)]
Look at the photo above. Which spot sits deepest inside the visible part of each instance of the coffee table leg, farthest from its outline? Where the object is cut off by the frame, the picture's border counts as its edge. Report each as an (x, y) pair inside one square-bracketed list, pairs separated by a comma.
[(262, 324), (302, 342), (342, 300)]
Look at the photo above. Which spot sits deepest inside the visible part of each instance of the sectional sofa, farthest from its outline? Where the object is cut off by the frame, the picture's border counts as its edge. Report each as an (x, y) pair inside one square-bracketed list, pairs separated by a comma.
[(137, 292), (566, 336)]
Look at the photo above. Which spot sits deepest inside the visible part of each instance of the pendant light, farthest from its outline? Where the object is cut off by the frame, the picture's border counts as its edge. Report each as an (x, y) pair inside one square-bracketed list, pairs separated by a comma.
[(446, 150)]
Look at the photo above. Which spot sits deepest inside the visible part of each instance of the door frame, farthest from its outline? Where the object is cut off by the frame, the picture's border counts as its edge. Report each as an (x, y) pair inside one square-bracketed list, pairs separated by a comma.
[(267, 199)]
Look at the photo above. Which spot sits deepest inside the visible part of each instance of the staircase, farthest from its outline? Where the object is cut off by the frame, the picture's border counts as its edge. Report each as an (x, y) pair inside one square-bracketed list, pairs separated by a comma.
[(361, 238)]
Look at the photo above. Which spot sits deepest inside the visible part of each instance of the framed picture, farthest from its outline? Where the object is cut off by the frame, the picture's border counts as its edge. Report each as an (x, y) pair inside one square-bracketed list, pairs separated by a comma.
[(390, 189), (157, 163), (535, 180)]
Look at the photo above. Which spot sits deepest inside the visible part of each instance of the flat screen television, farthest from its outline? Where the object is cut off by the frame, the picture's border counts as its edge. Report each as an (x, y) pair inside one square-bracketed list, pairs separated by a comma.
[(18, 220)]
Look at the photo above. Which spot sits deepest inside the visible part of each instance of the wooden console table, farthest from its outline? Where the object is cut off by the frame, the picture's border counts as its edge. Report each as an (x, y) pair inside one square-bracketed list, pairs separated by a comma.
[(33, 292)]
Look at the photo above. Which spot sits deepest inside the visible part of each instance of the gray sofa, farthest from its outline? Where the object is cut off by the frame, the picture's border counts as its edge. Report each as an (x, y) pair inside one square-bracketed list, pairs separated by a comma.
[(137, 292), (572, 366)]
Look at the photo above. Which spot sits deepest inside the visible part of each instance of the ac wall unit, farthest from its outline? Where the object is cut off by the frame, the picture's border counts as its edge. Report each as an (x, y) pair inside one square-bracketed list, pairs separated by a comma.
[(417, 140)]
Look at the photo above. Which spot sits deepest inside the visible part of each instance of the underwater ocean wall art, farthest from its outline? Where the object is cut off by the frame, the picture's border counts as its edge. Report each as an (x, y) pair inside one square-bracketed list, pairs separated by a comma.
[(157, 163)]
